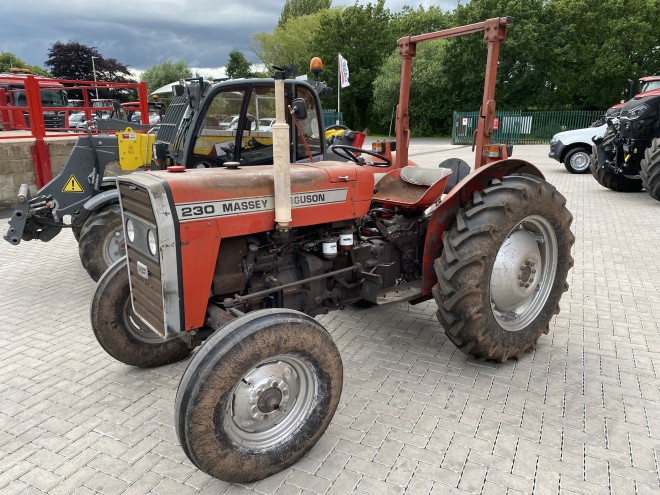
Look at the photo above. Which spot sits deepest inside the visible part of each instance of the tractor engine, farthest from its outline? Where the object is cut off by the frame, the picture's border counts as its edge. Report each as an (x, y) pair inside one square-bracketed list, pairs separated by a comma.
[(362, 256)]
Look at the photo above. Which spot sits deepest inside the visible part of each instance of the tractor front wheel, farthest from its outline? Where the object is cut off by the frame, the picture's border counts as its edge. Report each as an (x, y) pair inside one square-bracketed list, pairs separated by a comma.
[(650, 173), (258, 395), (101, 241), (120, 332), (504, 267), (607, 178)]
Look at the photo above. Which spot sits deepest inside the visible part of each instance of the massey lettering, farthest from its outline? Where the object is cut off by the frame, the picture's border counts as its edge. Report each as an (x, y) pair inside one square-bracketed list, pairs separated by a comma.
[(251, 205), (227, 207)]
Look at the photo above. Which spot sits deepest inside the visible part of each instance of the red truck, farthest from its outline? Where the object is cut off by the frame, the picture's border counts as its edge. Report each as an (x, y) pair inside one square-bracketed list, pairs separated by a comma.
[(14, 106)]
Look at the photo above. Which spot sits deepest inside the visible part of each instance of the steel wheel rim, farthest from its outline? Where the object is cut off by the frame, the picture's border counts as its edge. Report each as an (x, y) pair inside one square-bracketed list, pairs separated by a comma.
[(139, 333), (114, 246), (580, 161), (523, 273), (270, 402)]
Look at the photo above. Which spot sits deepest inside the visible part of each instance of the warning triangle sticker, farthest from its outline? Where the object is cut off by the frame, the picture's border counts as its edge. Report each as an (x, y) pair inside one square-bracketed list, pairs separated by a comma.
[(72, 185)]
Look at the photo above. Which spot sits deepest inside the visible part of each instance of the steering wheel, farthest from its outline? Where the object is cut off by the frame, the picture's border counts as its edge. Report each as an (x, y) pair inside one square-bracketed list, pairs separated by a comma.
[(349, 152)]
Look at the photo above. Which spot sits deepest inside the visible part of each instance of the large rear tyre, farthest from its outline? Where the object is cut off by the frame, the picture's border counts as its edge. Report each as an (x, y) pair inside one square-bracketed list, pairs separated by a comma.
[(101, 241), (503, 268), (650, 173), (258, 395), (606, 178), (120, 332)]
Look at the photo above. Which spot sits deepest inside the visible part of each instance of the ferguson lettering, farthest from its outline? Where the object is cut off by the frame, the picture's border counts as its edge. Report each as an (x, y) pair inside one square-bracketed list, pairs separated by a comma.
[(210, 209)]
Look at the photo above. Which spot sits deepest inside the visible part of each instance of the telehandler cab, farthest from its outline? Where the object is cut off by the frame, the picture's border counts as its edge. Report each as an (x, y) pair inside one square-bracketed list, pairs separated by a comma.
[(241, 257)]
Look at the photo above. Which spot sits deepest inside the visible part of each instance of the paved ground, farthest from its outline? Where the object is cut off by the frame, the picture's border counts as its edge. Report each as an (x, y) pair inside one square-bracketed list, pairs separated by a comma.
[(579, 415)]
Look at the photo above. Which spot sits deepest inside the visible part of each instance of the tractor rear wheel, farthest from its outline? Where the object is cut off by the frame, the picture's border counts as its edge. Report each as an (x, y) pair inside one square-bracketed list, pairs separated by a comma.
[(606, 178), (258, 395), (650, 173), (120, 332), (101, 241), (503, 267)]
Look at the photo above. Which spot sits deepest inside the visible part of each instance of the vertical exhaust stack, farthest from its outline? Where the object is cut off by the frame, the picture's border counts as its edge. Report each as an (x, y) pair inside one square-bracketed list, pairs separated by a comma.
[(281, 165)]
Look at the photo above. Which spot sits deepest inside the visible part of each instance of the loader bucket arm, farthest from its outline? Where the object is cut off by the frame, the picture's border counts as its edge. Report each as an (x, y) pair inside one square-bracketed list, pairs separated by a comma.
[(494, 34)]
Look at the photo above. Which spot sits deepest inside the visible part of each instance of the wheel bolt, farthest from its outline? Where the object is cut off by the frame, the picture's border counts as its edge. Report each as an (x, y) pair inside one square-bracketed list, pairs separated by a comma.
[(260, 391), (526, 285), (274, 384), (533, 271), (521, 284)]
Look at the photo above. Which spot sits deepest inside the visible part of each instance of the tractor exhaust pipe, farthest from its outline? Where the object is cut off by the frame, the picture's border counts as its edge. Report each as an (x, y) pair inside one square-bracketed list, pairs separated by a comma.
[(281, 161)]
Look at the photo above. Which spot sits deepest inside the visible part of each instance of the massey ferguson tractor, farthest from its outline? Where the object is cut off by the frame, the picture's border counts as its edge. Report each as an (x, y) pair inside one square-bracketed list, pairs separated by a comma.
[(242, 256)]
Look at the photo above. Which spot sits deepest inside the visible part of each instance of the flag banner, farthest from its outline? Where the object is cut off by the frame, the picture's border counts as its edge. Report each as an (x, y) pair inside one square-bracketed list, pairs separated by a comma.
[(343, 71)]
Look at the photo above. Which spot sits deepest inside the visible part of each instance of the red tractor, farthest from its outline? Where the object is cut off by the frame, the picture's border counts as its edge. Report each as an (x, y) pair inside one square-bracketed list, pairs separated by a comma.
[(241, 257)]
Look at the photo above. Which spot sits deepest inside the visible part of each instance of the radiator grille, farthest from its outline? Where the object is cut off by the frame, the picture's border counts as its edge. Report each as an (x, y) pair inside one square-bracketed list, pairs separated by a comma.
[(147, 293)]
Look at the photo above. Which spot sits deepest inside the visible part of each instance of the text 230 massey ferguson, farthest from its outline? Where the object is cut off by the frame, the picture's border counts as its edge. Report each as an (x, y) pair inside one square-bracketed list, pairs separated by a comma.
[(242, 257)]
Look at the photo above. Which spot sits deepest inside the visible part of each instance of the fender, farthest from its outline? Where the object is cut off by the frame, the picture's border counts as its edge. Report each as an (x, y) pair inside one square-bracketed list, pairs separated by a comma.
[(101, 199), (444, 215)]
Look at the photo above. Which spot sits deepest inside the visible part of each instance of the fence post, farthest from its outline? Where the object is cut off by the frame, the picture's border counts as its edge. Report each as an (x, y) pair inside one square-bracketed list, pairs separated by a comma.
[(40, 153)]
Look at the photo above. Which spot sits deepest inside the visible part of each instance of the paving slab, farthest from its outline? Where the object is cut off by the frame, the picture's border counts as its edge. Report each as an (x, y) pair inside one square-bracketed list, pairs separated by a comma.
[(580, 414)]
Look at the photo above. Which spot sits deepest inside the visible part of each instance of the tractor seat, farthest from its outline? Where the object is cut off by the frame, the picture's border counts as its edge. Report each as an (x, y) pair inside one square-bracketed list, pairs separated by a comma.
[(423, 176), (412, 187)]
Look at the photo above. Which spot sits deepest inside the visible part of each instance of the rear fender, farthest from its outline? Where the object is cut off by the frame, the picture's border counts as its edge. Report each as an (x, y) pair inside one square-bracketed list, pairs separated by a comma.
[(444, 216)]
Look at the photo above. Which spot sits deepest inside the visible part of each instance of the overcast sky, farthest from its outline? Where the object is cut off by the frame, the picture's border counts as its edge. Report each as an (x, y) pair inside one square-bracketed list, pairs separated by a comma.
[(142, 33)]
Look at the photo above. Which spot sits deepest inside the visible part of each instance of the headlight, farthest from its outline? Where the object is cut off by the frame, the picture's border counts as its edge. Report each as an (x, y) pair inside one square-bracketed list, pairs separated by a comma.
[(130, 230), (151, 241), (554, 140), (638, 110)]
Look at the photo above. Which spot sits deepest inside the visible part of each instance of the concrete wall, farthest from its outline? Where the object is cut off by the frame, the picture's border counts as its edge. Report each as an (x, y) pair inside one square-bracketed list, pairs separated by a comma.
[(16, 166)]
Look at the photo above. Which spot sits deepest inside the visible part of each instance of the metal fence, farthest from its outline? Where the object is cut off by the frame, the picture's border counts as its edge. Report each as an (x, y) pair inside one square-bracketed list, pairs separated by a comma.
[(518, 127), (331, 117)]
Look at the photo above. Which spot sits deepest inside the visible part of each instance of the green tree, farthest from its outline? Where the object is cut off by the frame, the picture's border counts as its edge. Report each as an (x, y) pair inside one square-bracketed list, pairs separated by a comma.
[(365, 36), (238, 66), (430, 114), (297, 8), (288, 44), (10, 61), (165, 73)]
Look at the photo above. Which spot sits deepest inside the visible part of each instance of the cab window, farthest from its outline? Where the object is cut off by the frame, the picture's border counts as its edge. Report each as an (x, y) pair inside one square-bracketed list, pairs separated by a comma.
[(257, 136), (215, 140), (311, 144)]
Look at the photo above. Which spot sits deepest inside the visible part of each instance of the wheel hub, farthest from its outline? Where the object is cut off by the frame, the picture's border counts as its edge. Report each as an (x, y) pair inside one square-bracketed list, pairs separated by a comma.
[(261, 398), (270, 400), (523, 273), (514, 272)]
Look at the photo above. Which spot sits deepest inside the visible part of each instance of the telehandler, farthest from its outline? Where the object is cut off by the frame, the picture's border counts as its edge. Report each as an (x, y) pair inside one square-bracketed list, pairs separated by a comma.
[(240, 258)]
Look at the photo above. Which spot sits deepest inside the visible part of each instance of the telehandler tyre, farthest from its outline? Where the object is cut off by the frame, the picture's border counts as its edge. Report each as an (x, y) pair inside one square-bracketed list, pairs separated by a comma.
[(258, 394), (101, 241), (119, 331), (504, 267), (650, 173), (610, 180)]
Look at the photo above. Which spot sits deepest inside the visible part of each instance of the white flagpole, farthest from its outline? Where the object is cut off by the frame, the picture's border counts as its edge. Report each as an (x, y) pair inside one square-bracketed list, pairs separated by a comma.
[(338, 88)]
